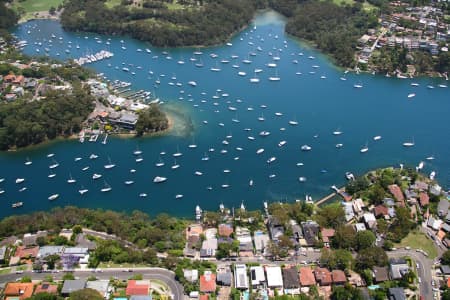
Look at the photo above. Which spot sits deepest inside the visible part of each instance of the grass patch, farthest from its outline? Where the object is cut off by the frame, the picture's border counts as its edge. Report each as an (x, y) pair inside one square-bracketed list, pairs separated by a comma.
[(5, 271), (125, 265), (112, 3), (418, 240), (174, 6), (30, 6)]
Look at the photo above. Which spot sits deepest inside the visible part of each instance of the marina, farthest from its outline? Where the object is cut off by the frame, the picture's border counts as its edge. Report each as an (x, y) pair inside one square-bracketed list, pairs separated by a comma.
[(280, 135)]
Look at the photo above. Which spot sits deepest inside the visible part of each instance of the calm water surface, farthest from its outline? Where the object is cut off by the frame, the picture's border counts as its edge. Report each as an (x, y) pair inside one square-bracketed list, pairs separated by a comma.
[(310, 91)]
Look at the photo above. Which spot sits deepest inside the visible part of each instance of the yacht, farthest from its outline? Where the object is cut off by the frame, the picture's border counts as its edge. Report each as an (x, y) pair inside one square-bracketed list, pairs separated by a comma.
[(82, 191), (142, 195), (159, 179), (28, 162), (432, 175), (261, 118), (20, 180), (364, 149), (302, 179), (264, 133), (339, 145), (93, 156), (411, 95), (17, 204), (96, 176), (160, 163), (110, 165), (53, 197), (139, 159), (198, 173), (106, 188), (271, 160), (50, 155), (293, 123), (129, 182), (77, 158), (430, 157), (137, 151), (282, 143), (71, 180), (259, 151), (85, 168), (225, 186), (357, 85), (377, 138), (178, 153), (53, 165), (250, 183), (272, 176), (408, 144), (178, 196), (51, 175), (337, 132), (305, 148)]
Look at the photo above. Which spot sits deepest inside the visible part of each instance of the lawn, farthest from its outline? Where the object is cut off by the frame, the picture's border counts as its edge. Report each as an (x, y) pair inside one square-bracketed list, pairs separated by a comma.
[(5, 271), (112, 3), (31, 6), (418, 240)]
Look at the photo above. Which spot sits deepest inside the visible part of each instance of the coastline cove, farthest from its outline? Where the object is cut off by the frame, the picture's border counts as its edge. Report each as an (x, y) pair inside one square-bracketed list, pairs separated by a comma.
[(267, 120)]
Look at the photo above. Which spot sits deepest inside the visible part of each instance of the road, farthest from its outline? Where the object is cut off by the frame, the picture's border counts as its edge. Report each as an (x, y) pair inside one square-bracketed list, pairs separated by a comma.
[(164, 275), (424, 270)]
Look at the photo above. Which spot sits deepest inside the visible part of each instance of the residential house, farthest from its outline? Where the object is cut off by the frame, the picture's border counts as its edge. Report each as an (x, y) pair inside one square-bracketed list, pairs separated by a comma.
[(191, 275), (291, 278), (310, 232), (323, 276), (338, 277), (327, 234), (83, 242), (30, 239), (296, 231), (360, 227), (67, 233), (424, 199), (275, 228), (348, 210), (397, 268), (45, 251), (261, 240), (2, 254), (208, 282), (240, 277), (443, 207), (46, 287), (370, 220), (224, 277), (209, 247), (225, 230), (138, 287), (434, 223), (358, 206), (274, 277), (307, 276), (397, 293), (381, 211), (24, 253), (72, 286), (397, 193), (380, 274), (257, 276), (101, 286), (73, 256), (18, 290)]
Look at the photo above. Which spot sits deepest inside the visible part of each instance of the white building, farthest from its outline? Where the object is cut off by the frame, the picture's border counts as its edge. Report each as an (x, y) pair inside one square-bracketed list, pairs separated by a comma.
[(240, 277), (274, 277), (257, 276)]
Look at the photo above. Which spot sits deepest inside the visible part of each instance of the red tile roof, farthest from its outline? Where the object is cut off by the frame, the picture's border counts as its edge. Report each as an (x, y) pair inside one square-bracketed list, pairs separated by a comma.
[(323, 276), (424, 199), (46, 288), (327, 233), (137, 287), (397, 193), (338, 276), (204, 297), (23, 290), (380, 210), (208, 283), (307, 276), (23, 252), (225, 230)]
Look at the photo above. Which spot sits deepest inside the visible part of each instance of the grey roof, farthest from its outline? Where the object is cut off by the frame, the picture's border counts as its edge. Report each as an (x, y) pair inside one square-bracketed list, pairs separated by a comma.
[(291, 278), (310, 232), (76, 250), (261, 240), (443, 207), (83, 242), (141, 297), (224, 278), (2, 252), (45, 251), (246, 247), (72, 286), (445, 269), (396, 294), (100, 286), (380, 274)]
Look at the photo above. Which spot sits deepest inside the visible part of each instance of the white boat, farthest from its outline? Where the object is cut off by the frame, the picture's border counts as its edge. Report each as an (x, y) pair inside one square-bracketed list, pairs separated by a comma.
[(93, 156), (139, 159), (54, 165), (17, 204), (409, 144), (349, 176), (337, 132), (178, 153), (110, 165), (272, 176), (377, 138), (250, 182), (432, 175), (259, 151), (50, 155), (302, 179), (23, 189), (106, 188), (411, 95), (2, 191), (198, 173), (96, 176), (305, 148), (71, 180), (129, 182), (53, 197), (282, 143), (137, 151), (357, 86), (82, 191), (224, 186), (159, 179), (264, 133), (339, 145), (178, 196), (175, 166), (20, 180), (85, 168), (364, 149), (293, 122), (28, 162), (261, 118), (142, 195), (77, 158), (51, 175), (271, 160), (241, 73), (160, 163), (430, 157), (2, 179)]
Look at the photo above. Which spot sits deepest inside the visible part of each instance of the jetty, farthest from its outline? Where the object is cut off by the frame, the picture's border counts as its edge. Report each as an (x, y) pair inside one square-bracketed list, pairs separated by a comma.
[(337, 191)]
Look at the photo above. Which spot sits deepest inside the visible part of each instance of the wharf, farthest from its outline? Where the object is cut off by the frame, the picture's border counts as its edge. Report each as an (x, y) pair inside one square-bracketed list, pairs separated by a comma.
[(337, 191)]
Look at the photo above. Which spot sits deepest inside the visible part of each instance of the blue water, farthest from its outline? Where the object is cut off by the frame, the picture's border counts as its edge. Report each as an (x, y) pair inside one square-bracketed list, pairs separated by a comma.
[(321, 106)]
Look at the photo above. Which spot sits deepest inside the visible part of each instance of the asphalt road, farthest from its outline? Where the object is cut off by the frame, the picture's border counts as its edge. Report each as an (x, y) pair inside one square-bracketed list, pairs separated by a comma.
[(424, 270), (164, 275)]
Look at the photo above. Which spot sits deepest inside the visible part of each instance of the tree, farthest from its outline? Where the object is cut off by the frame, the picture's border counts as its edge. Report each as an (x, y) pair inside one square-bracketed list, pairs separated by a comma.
[(44, 296), (344, 237), (85, 294), (370, 257), (331, 215), (347, 292), (68, 276), (52, 10), (445, 259), (25, 279), (77, 229), (365, 239), (337, 259)]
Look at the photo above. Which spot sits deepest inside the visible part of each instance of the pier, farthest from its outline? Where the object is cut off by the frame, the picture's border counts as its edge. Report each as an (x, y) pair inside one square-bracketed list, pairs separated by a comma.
[(337, 191)]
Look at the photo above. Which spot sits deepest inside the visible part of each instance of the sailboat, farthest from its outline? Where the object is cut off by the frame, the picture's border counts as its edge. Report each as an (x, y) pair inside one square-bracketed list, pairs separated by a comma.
[(254, 79), (175, 165), (178, 153), (106, 188), (28, 162), (409, 144), (110, 165), (137, 151), (82, 190), (160, 163), (275, 78), (71, 180), (364, 149), (54, 165)]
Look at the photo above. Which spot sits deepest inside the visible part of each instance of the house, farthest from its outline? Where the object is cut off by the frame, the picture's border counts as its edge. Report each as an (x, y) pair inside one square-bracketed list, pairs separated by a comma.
[(141, 297), (45, 251), (138, 287), (67, 233), (18, 290), (443, 207), (338, 277), (31, 239), (380, 274), (46, 287), (274, 277), (327, 234), (261, 241), (348, 210), (310, 232), (445, 269), (101, 286), (397, 268), (19, 80), (307, 276), (240, 277), (275, 228), (224, 277), (126, 120), (208, 282), (370, 220), (83, 242), (257, 276), (72, 286), (204, 297), (296, 231), (2, 254), (424, 199), (396, 191), (10, 97), (9, 78), (396, 294), (360, 227), (291, 278), (323, 276), (381, 211), (190, 275), (358, 205), (209, 247), (225, 230), (78, 254), (24, 253)]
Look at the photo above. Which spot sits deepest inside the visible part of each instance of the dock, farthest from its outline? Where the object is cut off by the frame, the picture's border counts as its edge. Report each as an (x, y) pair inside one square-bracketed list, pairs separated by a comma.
[(337, 191)]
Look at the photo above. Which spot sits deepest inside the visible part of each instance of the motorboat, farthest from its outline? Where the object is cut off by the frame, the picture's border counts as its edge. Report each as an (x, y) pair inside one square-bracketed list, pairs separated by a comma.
[(259, 151), (302, 179), (53, 197), (364, 149), (96, 176), (159, 179), (377, 138), (282, 143), (271, 160), (106, 188), (305, 148), (129, 182), (20, 180)]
